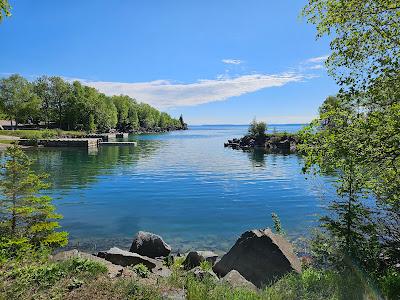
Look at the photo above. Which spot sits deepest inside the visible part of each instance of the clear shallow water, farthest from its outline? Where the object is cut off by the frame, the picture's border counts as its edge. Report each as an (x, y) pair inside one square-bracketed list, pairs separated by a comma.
[(182, 185)]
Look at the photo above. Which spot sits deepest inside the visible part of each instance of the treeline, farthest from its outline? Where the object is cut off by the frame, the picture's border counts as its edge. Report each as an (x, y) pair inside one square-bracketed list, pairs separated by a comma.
[(53, 102)]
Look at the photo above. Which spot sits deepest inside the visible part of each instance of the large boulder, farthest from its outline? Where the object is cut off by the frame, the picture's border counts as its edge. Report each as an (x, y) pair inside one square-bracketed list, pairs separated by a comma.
[(235, 279), (260, 256), (126, 258), (150, 245), (194, 258)]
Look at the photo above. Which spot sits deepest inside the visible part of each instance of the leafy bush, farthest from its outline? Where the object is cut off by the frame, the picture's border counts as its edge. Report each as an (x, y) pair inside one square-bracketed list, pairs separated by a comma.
[(390, 284), (205, 265), (141, 270)]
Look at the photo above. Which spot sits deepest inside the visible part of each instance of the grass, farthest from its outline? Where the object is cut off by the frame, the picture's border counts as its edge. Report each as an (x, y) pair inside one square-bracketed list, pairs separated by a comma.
[(42, 134), (78, 278), (47, 280), (8, 142)]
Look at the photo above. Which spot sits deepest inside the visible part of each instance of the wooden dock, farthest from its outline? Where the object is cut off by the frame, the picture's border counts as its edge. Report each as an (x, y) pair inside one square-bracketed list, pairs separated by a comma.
[(88, 143)]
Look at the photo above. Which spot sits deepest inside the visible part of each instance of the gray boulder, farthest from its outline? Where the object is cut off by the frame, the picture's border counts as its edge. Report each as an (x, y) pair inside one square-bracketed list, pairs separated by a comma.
[(234, 279), (260, 256), (150, 245), (126, 258), (194, 258)]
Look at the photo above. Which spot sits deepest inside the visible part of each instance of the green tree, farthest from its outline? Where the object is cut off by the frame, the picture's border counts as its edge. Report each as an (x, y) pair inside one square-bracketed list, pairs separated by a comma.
[(257, 130), (365, 61), (17, 99), (60, 91), (337, 150), (365, 37), (25, 215), (4, 9)]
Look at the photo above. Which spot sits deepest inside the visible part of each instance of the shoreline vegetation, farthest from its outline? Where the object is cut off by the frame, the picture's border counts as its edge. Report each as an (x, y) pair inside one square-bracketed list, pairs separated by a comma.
[(52, 103)]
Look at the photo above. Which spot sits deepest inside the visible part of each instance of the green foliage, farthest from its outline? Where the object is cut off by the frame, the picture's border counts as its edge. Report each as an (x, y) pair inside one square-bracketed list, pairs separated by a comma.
[(257, 130), (28, 279), (365, 37), (277, 223), (316, 284), (17, 99), (359, 129), (390, 284), (58, 103), (205, 265), (141, 270), (25, 216), (4, 9)]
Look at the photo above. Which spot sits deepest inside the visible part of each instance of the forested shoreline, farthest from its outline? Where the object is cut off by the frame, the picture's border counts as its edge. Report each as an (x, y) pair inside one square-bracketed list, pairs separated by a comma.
[(52, 102)]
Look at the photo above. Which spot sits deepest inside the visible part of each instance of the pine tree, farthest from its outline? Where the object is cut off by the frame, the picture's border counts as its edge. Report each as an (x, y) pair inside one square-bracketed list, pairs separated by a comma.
[(26, 216)]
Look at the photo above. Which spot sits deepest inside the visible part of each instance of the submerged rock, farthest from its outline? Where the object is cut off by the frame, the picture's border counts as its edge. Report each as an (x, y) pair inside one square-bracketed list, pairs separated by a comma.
[(260, 256), (125, 258), (150, 245), (235, 279), (194, 258)]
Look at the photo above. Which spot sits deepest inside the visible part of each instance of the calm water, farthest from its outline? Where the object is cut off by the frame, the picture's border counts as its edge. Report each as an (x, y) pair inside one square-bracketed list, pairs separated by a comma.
[(182, 185)]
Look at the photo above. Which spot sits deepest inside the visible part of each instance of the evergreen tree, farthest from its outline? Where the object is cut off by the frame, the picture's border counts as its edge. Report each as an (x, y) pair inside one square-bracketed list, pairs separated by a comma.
[(26, 216)]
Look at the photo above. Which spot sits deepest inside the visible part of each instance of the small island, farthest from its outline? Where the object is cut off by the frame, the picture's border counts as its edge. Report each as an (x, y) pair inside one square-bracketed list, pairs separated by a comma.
[(277, 142)]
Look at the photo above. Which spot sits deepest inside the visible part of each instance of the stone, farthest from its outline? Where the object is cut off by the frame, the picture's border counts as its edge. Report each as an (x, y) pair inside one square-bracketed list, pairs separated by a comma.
[(150, 245), (235, 279), (194, 258), (260, 256), (112, 269), (126, 258), (201, 274)]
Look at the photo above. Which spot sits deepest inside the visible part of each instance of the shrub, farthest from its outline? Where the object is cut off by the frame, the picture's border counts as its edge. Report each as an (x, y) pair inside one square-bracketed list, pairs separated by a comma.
[(257, 129), (205, 265), (390, 284), (141, 270)]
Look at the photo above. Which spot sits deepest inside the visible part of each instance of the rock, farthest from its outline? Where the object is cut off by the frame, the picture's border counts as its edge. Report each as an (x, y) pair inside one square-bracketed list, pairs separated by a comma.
[(112, 269), (236, 280), (201, 274), (126, 258), (150, 245), (260, 256), (194, 258)]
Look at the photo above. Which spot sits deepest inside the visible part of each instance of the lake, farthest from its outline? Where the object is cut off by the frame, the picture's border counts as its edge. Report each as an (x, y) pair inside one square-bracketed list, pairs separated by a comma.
[(183, 185)]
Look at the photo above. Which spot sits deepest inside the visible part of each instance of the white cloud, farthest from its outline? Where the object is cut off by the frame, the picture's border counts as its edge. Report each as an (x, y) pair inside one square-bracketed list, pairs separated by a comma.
[(318, 59), (167, 94), (316, 67), (232, 61)]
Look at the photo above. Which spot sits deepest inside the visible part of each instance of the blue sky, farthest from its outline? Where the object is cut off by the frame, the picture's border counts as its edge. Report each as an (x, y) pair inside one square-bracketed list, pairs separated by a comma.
[(216, 62)]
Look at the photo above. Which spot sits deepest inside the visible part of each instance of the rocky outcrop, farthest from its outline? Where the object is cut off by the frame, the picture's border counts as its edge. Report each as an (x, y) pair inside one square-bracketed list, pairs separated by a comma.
[(276, 143), (150, 245), (112, 269), (260, 256), (194, 258), (235, 279), (125, 258)]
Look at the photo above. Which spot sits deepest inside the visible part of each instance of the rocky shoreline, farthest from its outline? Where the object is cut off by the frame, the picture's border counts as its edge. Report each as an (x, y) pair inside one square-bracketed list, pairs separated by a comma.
[(274, 143), (258, 258)]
